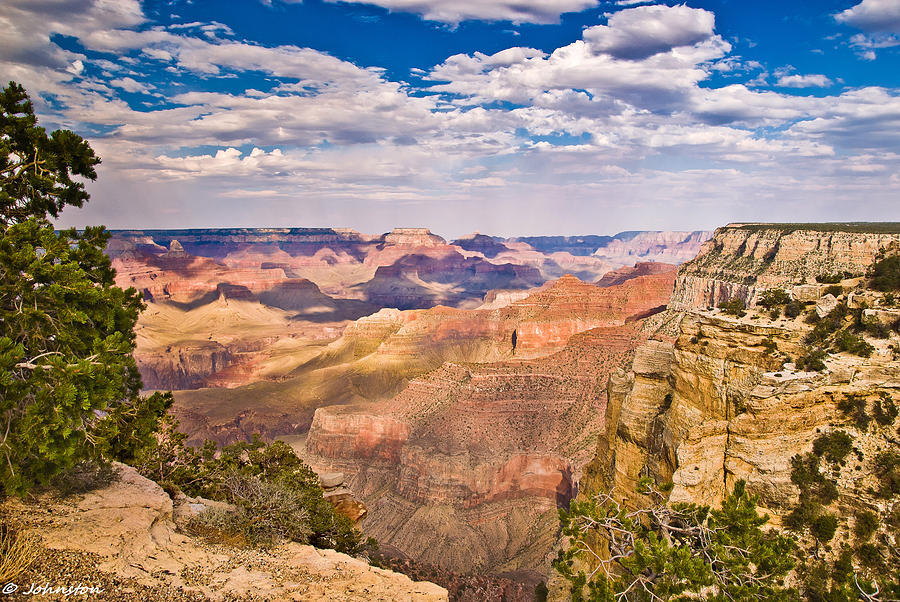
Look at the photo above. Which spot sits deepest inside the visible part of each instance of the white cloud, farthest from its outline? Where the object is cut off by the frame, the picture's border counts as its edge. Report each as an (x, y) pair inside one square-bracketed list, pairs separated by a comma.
[(456, 11), (646, 30), (130, 85), (882, 16), (804, 81)]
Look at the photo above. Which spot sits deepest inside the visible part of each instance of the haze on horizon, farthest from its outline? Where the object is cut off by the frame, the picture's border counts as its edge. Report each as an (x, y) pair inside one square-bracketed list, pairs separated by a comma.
[(511, 118)]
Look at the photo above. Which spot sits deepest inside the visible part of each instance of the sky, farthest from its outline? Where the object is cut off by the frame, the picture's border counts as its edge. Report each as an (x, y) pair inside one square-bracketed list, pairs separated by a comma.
[(508, 117)]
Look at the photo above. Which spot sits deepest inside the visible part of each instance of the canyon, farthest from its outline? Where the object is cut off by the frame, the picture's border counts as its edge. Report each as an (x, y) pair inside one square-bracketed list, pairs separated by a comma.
[(717, 396), (467, 390)]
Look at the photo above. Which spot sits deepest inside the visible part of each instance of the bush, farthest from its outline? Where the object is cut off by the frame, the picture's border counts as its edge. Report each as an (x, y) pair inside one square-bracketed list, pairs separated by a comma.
[(734, 307), (833, 446), (266, 513), (869, 556), (17, 551), (830, 278), (812, 362), (866, 524), (84, 477), (793, 309), (774, 297), (255, 477), (888, 300), (884, 410), (823, 527), (855, 407), (887, 471), (852, 343), (886, 274), (835, 291)]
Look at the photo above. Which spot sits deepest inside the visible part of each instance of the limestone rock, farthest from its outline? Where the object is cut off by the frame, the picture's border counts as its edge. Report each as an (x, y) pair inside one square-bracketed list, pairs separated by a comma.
[(825, 305), (129, 525)]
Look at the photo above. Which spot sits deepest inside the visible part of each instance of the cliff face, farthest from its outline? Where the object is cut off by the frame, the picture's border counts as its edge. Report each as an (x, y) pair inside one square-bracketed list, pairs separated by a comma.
[(464, 468), (743, 260), (722, 400)]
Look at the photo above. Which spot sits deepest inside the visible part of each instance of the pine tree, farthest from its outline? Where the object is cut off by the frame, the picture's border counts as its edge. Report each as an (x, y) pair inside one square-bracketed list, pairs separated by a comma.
[(69, 386), (677, 552)]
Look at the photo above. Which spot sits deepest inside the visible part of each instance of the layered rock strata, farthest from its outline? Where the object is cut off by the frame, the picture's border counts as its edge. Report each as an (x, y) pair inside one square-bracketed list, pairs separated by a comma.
[(124, 538)]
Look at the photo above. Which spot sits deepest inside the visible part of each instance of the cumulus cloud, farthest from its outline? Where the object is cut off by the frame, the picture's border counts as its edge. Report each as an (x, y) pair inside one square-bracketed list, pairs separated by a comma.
[(880, 16), (646, 30), (804, 81), (626, 112)]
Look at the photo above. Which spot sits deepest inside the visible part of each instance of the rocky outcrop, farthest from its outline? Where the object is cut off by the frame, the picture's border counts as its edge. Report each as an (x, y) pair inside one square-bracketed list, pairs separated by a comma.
[(465, 468), (127, 530), (742, 260), (184, 365), (723, 400)]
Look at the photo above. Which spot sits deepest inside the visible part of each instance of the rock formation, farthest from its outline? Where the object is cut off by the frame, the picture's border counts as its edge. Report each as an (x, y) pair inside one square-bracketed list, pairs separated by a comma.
[(722, 399), (124, 538), (464, 468)]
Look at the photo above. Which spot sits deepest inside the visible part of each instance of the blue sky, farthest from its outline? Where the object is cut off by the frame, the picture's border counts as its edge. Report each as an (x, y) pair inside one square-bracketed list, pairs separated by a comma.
[(503, 116)]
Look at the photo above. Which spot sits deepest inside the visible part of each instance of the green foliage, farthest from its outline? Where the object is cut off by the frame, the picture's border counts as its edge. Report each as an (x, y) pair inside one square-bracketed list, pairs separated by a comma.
[(852, 343), (812, 362), (774, 297), (256, 478), (36, 169), (823, 527), (830, 278), (734, 307), (833, 446), (674, 552), (835, 291), (884, 410), (854, 406), (69, 387), (266, 512), (866, 524), (886, 274), (887, 471), (793, 309)]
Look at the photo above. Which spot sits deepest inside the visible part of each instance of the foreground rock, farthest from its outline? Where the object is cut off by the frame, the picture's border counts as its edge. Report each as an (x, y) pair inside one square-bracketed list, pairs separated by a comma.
[(124, 537)]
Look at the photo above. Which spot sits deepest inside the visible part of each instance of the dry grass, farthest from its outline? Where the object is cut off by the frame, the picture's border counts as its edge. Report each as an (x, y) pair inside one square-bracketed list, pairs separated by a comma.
[(17, 551)]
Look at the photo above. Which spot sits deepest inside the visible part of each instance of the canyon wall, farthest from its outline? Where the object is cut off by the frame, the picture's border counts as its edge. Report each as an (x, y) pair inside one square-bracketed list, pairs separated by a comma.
[(465, 467), (742, 260), (723, 399)]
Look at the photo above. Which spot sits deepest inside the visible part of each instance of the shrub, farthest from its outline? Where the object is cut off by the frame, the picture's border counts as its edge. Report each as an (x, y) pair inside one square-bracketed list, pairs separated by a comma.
[(251, 475), (823, 527), (830, 278), (852, 343), (833, 446), (17, 551), (887, 471), (734, 307), (84, 477), (869, 556), (866, 524), (888, 299), (812, 362), (855, 407), (769, 345), (676, 552), (266, 512), (886, 274), (774, 297), (884, 410), (793, 309), (836, 291)]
